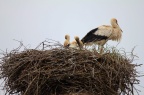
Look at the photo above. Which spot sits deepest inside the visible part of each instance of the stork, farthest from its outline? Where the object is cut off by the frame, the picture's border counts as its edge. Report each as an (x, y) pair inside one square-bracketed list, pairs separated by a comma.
[(102, 34), (74, 44), (67, 41), (78, 42)]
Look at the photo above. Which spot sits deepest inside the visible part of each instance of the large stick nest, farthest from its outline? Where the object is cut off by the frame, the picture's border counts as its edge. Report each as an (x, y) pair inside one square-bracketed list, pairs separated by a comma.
[(60, 71)]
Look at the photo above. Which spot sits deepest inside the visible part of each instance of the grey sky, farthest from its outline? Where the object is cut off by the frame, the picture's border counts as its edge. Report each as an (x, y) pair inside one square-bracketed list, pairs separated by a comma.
[(32, 21)]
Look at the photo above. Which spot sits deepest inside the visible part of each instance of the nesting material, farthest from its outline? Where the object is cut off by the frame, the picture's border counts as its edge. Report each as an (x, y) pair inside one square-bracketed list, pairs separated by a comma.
[(60, 71)]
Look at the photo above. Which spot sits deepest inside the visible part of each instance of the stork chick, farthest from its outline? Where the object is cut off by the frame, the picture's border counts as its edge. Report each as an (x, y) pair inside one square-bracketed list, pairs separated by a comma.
[(79, 42), (74, 44), (102, 34), (67, 41)]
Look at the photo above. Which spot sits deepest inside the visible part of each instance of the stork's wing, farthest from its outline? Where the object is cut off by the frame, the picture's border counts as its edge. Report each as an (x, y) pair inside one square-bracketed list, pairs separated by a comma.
[(104, 30), (96, 34)]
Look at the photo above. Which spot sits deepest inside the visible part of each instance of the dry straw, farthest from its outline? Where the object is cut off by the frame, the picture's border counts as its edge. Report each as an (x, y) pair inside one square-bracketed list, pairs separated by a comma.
[(51, 69)]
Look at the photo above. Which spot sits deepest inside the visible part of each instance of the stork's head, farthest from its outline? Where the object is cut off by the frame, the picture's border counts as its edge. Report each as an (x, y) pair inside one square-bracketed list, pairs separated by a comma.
[(114, 23), (76, 38), (67, 37)]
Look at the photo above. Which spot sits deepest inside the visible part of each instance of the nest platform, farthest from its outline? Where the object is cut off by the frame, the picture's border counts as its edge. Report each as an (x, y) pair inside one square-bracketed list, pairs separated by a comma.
[(60, 71)]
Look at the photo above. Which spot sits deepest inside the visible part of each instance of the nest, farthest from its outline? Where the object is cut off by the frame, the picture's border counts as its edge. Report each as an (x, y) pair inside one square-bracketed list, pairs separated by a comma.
[(60, 71)]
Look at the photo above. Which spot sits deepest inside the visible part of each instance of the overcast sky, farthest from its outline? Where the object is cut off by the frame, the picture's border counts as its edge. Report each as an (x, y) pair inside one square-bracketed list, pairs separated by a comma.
[(32, 21)]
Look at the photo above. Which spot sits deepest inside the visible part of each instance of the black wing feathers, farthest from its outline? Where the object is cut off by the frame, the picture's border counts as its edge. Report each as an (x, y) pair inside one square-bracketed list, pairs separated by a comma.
[(91, 37)]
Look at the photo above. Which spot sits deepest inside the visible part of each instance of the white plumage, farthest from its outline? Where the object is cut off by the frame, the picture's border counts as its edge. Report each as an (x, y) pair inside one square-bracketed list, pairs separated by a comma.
[(102, 34)]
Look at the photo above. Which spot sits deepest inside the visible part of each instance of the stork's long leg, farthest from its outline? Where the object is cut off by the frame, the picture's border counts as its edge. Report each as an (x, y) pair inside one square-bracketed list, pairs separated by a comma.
[(101, 49)]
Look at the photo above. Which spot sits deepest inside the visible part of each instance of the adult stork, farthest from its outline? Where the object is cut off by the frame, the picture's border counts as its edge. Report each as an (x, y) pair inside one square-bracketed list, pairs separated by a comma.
[(74, 44), (102, 34)]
